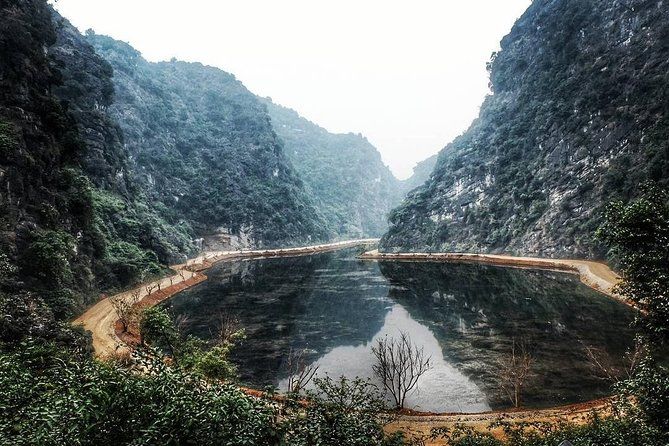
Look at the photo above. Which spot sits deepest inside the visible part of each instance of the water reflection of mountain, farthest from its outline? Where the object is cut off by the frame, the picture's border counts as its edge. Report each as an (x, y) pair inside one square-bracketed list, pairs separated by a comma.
[(315, 302), (476, 311)]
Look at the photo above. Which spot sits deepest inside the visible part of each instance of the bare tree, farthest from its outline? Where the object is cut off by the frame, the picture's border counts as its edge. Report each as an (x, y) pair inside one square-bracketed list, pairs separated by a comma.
[(605, 367), (228, 330), (515, 371), (399, 365), (301, 373), (124, 307)]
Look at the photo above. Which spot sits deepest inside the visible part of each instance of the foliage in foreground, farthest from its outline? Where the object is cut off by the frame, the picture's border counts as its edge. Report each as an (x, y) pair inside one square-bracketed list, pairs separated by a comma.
[(50, 396), (638, 236), (344, 412), (209, 360), (597, 432)]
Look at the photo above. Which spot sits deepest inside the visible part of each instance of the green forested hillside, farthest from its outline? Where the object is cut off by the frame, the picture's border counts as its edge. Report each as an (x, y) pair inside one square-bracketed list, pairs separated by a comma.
[(344, 174), (45, 219), (109, 171), (86, 207), (421, 172), (61, 164), (202, 146), (579, 115), (133, 233)]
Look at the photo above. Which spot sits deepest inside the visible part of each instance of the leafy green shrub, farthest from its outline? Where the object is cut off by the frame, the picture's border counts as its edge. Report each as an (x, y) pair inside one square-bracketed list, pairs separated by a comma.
[(48, 258), (339, 412), (130, 263), (649, 391), (157, 329), (213, 363), (188, 352), (50, 397), (637, 234)]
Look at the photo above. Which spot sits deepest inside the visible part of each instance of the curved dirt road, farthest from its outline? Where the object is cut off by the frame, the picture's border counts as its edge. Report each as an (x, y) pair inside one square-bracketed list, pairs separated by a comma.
[(101, 317)]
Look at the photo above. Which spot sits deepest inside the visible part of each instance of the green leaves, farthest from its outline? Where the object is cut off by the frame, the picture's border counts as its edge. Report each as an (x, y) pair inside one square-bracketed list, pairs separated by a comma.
[(48, 258), (130, 263), (60, 399), (338, 412), (638, 236)]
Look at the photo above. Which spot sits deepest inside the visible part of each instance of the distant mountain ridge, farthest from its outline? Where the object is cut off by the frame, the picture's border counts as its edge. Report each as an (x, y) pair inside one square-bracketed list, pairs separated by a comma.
[(344, 174), (579, 116)]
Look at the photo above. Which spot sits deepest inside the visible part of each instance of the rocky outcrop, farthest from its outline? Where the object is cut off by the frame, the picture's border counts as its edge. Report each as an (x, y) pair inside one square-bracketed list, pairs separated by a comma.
[(579, 116), (421, 173)]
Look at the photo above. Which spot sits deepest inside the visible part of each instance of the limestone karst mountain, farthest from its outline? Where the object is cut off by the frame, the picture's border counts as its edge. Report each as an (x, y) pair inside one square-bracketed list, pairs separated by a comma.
[(578, 116)]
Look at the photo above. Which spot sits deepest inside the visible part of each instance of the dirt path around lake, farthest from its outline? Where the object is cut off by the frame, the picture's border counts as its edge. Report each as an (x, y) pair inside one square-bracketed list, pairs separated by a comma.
[(100, 319), (596, 275), (422, 424)]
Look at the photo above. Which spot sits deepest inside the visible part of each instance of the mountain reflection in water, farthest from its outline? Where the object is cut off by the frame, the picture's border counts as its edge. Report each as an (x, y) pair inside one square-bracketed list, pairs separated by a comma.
[(443, 388), (466, 316)]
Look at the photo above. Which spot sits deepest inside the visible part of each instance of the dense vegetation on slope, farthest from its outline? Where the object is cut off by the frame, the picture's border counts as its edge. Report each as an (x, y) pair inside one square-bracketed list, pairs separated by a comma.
[(42, 204), (344, 174), (56, 245), (203, 147), (421, 172), (133, 234), (579, 115)]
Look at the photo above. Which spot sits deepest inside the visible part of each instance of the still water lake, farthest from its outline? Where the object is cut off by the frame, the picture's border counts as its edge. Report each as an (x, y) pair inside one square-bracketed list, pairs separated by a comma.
[(466, 317)]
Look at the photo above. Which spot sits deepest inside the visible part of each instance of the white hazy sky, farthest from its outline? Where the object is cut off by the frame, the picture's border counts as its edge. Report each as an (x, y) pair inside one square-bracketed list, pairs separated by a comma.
[(409, 75)]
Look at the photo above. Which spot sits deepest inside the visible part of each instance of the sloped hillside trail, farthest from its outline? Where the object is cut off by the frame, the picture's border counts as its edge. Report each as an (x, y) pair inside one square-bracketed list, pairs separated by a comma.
[(100, 319)]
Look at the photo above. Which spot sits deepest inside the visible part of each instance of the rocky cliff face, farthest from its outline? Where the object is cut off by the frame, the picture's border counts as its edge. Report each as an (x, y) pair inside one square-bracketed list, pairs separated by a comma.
[(202, 147), (579, 115), (72, 220), (421, 173), (344, 174), (88, 205)]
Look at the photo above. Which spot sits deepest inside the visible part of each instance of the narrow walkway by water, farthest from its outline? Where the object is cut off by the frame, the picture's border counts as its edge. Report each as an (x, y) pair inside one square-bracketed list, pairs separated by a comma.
[(596, 275), (101, 317)]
